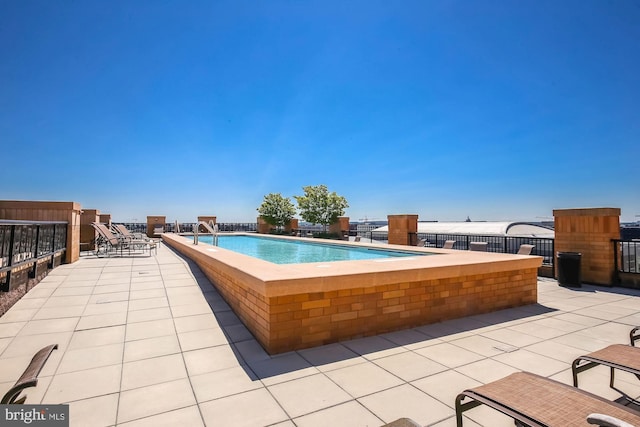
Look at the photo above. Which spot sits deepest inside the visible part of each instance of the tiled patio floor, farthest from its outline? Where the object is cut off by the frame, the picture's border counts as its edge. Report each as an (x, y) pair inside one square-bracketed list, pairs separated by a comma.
[(147, 341)]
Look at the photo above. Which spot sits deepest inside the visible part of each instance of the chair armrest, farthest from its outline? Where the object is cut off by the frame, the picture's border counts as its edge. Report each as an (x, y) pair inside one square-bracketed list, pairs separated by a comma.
[(29, 377), (606, 421), (634, 335)]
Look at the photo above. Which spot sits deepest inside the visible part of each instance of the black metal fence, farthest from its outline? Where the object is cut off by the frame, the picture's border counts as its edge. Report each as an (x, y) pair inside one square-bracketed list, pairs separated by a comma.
[(543, 247), (627, 255), (372, 236), (27, 248), (187, 227)]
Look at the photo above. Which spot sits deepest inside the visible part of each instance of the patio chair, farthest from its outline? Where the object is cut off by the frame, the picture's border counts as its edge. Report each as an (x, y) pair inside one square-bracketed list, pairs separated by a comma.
[(125, 233), (29, 377), (478, 246), (536, 401), (402, 422), (525, 249), (112, 242), (617, 356), (448, 244), (422, 243)]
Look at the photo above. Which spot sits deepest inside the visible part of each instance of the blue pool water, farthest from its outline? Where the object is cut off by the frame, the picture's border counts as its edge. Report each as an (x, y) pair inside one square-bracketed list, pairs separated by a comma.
[(297, 252)]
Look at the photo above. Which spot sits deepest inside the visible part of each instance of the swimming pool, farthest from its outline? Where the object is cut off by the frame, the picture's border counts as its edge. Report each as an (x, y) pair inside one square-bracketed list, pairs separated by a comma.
[(299, 305), (299, 252)]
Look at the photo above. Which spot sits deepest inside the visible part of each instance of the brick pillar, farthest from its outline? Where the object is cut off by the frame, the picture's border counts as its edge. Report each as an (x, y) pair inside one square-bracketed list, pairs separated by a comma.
[(48, 211), (155, 222), (263, 226), (403, 229), (340, 227), (293, 225), (105, 219), (208, 220), (589, 231), (88, 234)]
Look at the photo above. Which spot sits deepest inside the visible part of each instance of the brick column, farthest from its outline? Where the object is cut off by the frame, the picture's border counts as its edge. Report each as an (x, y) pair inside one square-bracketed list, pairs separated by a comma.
[(88, 234), (48, 211), (340, 227), (153, 222), (589, 231), (293, 225), (105, 219), (263, 226), (208, 220), (402, 228)]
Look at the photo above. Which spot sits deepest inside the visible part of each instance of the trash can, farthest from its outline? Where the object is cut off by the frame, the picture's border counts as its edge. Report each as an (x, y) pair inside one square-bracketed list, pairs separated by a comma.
[(569, 269)]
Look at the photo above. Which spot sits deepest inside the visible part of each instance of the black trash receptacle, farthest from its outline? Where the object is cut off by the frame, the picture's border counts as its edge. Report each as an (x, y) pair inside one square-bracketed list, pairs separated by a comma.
[(569, 269)]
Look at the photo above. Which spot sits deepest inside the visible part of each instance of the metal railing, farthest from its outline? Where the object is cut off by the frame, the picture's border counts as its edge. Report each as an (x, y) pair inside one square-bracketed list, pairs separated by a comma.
[(26, 244), (187, 227), (627, 255), (543, 247), (372, 236)]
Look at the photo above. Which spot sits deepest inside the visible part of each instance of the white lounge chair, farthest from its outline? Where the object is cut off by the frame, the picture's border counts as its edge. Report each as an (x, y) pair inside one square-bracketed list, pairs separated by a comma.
[(525, 249), (478, 246), (448, 244)]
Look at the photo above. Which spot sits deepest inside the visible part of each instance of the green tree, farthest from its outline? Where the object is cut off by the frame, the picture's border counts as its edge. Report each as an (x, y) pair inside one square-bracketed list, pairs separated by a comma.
[(277, 210), (318, 206)]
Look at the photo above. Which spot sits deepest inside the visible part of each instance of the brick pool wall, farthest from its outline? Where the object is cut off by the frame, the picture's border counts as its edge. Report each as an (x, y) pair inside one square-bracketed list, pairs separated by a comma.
[(359, 305), (312, 319)]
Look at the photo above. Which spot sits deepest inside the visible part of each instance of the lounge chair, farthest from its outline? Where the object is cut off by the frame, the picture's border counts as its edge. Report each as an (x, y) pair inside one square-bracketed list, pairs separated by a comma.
[(422, 243), (448, 244), (634, 335), (617, 356), (112, 242), (537, 401), (357, 239), (402, 422), (125, 233), (525, 249), (478, 246), (29, 377)]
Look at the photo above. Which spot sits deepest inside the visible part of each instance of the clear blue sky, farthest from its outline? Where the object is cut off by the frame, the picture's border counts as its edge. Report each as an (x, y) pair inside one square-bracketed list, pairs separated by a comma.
[(500, 110)]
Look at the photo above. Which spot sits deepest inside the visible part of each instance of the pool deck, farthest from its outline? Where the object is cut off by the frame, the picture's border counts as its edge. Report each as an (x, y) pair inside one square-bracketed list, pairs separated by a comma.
[(147, 341)]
